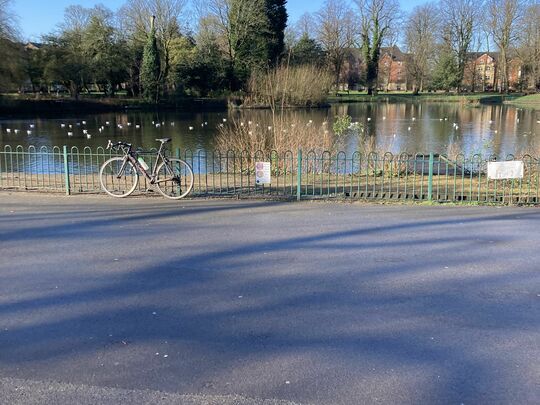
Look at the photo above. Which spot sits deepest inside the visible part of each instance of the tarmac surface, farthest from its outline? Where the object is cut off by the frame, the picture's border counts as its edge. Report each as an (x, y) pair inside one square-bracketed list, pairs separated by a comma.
[(144, 300)]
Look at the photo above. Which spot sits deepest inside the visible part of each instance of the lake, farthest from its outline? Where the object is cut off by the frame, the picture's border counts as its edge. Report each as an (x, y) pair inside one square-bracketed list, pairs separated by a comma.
[(395, 127)]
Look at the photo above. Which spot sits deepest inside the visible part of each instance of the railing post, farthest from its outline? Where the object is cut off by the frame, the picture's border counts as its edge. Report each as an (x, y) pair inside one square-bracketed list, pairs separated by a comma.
[(299, 176), (430, 178), (66, 171)]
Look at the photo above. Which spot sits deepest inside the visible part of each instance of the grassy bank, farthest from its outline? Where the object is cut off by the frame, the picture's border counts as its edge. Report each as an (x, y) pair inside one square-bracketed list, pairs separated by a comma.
[(26, 104), (530, 101), (396, 97)]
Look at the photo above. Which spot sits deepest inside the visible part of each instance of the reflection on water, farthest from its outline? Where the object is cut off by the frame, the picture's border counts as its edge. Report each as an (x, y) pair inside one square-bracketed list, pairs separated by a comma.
[(395, 127)]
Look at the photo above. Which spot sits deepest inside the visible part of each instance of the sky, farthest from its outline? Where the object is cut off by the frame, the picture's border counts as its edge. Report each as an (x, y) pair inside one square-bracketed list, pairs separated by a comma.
[(37, 17)]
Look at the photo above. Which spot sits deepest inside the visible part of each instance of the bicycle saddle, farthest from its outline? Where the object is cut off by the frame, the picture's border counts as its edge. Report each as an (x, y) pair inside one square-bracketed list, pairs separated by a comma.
[(164, 140)]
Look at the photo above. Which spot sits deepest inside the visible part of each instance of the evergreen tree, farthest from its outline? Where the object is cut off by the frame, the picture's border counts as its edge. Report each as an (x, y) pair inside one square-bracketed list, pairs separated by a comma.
[(307, 51), (150, 69), (446, 75), (276, 13)]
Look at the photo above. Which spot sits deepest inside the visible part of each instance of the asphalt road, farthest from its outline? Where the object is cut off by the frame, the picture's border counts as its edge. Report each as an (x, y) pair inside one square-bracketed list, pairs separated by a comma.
[(143, 300)]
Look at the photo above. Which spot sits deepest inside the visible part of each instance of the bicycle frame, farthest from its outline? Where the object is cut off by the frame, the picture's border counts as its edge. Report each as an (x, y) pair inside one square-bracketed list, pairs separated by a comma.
[(151, 176)]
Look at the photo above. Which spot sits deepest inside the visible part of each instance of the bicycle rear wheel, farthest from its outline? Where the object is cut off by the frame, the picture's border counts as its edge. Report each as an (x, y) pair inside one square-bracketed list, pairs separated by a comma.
[(174, 179), (118, 179)]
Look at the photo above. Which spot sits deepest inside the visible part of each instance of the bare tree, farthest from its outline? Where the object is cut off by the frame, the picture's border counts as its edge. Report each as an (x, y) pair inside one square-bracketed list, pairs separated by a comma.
[(8, 21), (459, 21), (234, 23), (336, 33), (504, 22), (529, 45), (377, 18), (305, 25), (421, 42), (10, 62)]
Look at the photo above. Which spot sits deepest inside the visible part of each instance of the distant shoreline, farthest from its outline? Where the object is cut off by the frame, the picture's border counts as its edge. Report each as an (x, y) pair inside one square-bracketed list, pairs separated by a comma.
[(11, 105)]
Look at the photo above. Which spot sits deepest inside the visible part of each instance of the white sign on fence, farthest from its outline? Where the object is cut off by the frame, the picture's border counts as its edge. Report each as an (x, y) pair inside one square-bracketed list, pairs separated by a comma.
[(262, 173), (505, 170)]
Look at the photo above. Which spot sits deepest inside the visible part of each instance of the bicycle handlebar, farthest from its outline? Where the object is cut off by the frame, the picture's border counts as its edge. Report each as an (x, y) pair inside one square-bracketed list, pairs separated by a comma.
[(114, 146)]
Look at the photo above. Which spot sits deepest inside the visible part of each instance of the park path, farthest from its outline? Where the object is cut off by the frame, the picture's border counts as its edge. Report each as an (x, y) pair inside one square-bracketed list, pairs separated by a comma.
[(222, 301)]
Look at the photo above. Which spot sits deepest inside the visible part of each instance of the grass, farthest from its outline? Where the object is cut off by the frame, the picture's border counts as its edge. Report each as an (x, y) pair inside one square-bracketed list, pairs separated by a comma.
[(530, 101), (397, 97)]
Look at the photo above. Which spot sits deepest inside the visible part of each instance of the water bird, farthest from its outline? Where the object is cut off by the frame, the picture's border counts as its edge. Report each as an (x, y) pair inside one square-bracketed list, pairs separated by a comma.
[(446, 118), (394, 135), (205, 123), (88, 136), (162, 122), (85, 131), (120, 126), (538, 121), (70, 133), (129, 124), (172, 124), (241, 124), (8, 130), (310, 121), (84, 122), (137, 126), (249, 122), (107, 123), (62, 125), (409, 128), (491, 121), (496, 131), (202, 125), (414, 118), (100, 129), (221, 125), (16, 131), (384, 117), (32, 125), (440, 119), (224, 119), (158, 125), (153, 122), (191, 128), (369, 119), (71, 126), (269, 128)]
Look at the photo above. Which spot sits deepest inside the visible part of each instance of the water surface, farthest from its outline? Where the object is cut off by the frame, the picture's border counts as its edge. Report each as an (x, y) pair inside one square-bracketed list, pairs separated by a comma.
[(395, 127)]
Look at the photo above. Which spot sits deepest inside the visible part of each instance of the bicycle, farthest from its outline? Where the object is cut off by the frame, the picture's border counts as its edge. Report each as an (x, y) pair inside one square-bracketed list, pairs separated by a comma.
[(119, 176)]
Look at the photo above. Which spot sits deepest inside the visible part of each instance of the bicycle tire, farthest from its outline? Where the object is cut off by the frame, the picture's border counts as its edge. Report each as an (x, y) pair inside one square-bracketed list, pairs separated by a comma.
[(181, 182), (114, 186)]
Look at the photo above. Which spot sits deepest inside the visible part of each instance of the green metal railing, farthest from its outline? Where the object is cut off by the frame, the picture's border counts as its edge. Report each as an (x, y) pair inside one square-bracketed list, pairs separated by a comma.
[(295, 174)]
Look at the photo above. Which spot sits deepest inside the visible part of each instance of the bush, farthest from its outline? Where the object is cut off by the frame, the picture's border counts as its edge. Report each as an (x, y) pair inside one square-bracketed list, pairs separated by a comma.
[(289, 86), (285, 134)]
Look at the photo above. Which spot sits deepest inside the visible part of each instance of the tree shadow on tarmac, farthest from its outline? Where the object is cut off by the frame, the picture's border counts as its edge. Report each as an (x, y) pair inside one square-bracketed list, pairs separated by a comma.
[(398, 311)]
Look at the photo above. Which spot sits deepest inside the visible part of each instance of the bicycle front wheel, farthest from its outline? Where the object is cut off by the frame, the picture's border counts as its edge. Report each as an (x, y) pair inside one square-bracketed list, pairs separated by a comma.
[(174, 179), (118, 177)]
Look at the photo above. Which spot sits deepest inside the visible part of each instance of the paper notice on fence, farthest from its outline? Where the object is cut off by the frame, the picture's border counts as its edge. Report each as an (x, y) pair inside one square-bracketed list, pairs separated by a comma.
[(505, 170), (262, 173)]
